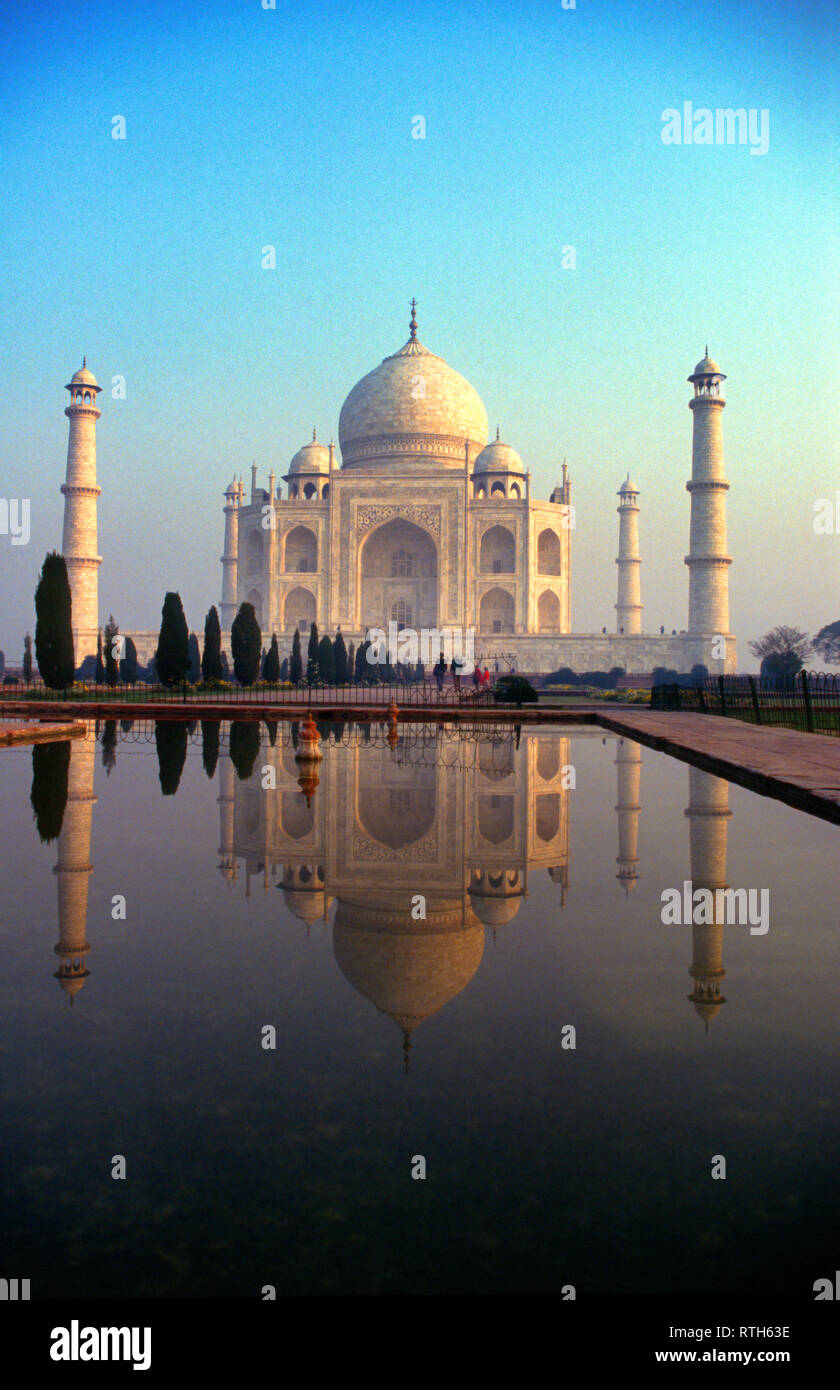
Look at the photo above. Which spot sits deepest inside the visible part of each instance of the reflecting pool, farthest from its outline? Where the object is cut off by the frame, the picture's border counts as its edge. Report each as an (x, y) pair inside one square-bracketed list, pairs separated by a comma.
[(262, 990)]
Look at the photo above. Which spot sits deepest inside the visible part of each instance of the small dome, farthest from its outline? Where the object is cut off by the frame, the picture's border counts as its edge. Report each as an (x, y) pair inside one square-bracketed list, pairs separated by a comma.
[(83, 377), (706, 367), (627, 486), (499, 458), (312, 458), (232, 489)]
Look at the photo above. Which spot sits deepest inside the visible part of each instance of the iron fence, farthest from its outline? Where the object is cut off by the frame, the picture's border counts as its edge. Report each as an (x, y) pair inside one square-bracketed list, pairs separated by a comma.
[(402, 693), (809, 701)]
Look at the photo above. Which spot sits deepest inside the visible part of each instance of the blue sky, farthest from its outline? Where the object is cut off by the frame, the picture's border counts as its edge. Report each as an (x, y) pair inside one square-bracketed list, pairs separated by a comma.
[(292, 127)]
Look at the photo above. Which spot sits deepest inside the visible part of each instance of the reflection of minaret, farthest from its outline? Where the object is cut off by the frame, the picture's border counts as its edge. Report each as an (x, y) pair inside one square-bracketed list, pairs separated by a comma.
[(225, 801), (708, 811), (629, 763), (74, 866)]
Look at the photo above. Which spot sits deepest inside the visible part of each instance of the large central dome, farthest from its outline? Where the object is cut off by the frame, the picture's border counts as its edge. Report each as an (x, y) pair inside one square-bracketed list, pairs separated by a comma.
[(411, 409)]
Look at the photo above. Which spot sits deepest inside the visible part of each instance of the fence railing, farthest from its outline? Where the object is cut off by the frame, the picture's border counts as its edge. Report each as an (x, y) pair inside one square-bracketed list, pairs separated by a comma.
[(403, 693), (809, 701)]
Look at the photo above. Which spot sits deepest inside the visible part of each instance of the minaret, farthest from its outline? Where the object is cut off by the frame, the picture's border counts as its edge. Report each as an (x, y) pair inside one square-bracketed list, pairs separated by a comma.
[(629, 763), (628, 609), (707, 560), (707, 813), (78, 544), (230, 559), (74, 867)]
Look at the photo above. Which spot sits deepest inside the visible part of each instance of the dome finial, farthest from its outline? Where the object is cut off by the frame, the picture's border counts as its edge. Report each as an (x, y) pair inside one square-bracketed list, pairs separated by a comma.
[(413, 324), (497, 434), (707, 349), (84, 360), (314, 435)]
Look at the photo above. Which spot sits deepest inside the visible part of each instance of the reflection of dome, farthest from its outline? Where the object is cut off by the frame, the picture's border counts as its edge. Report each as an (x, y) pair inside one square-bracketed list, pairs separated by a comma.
[(407, 969), (312, 458), (494, 912), (412, 393), (496, 896), (308, 905), (499, 458)]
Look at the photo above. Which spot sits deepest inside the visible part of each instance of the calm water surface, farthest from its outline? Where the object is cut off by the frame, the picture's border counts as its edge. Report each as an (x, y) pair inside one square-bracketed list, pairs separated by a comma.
[(250, 904)]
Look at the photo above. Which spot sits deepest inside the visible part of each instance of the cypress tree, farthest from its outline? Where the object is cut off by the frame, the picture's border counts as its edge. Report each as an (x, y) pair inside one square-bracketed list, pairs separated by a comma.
[(326, 667), (172, 657), (128, 665), (271, 669), (27, 659), (53, 626), (211, 660), (246, 644), (195, 659), (111, 646), (351, 662), (99, 676), (340, 660), (296, 662), (312, 655), (284, 669)]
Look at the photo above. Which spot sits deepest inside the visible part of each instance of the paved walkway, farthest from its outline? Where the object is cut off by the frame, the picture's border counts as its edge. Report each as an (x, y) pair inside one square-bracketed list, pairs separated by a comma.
[(20, 732), (799, 768)]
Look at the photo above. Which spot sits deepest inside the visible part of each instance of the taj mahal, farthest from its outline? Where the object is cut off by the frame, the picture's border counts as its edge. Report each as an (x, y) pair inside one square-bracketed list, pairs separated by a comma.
[(427, 523)]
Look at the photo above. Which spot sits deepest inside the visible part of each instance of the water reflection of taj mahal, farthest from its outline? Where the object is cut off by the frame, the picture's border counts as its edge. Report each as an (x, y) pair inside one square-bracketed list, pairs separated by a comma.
[(461, 823)]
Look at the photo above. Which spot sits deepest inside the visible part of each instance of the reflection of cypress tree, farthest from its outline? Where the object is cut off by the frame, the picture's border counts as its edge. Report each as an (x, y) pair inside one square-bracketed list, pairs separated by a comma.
[(244, 746), (324, 729), (109, 746), (271, 725), (126, 725), (209, 745), (295, 734), (171, 741), (366, 732), (50, 766), (338, 730)]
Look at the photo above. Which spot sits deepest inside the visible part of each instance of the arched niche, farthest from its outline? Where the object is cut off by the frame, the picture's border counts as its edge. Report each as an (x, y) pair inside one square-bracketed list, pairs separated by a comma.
[(497, 553), (300, 552)]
